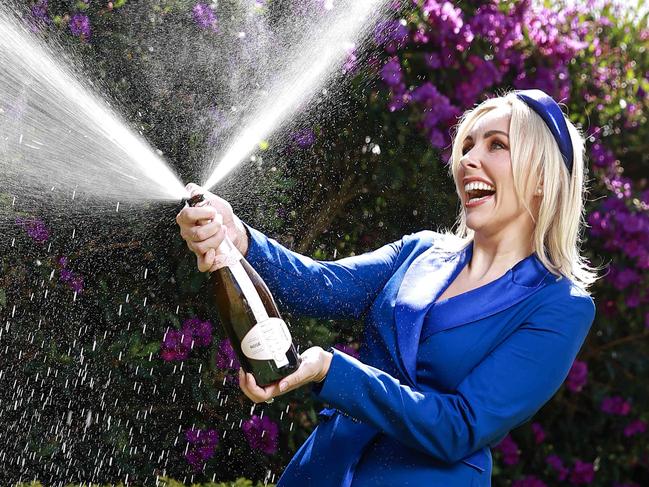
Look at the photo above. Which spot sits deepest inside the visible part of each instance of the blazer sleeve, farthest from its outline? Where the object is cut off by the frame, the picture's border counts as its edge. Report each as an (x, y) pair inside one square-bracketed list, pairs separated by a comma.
[(339, 289), (502, 392)]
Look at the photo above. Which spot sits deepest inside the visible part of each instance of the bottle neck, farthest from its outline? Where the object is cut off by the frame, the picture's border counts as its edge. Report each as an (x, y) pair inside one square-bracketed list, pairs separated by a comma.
[(227, 254)]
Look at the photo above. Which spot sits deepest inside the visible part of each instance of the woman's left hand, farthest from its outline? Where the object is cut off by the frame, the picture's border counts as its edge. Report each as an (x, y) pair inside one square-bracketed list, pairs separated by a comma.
[(314, 368)]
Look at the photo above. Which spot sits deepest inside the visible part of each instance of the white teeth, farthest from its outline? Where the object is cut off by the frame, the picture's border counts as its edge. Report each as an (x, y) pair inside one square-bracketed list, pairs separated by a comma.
[(478, 185), (473, 200)]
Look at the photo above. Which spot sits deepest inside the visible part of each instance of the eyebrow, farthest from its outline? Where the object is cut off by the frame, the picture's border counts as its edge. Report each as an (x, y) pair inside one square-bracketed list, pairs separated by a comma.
[(489, 133)]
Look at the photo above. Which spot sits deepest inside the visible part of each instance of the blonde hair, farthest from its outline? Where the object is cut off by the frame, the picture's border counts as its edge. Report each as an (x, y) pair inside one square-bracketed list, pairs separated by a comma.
[(536, 159)]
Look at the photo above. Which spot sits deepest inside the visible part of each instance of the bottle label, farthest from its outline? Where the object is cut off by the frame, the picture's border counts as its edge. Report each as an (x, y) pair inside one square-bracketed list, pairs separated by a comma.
[(268, 340)]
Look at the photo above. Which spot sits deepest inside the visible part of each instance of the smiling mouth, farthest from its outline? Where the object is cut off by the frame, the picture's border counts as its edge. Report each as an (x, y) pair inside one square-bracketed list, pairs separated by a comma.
[(479, 195)]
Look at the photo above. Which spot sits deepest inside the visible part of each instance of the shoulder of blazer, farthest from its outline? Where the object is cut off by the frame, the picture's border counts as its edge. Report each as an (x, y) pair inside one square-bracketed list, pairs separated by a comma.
[(568, 295), (442, 243)]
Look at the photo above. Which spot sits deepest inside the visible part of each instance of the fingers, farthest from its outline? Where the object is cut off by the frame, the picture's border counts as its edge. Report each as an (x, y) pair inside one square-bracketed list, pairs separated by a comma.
[(204, 262), (191, 215), (297, 379), (306, 373), (194, 189), (252, 391)]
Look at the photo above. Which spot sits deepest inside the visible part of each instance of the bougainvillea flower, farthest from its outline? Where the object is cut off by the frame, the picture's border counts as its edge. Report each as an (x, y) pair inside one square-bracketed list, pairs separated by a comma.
[(578, 376), (80, 26), (261, 433)]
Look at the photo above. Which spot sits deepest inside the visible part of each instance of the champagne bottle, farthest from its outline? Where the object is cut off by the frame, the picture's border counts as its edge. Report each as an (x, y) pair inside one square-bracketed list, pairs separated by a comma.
[(250, 317)]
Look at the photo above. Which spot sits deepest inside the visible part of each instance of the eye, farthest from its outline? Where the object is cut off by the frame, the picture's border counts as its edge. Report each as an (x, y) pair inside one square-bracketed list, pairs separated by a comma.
[(496, 144), (466, 148)]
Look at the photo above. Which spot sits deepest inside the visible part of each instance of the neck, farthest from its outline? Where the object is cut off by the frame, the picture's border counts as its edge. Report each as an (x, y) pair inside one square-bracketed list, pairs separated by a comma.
[(493, 255)]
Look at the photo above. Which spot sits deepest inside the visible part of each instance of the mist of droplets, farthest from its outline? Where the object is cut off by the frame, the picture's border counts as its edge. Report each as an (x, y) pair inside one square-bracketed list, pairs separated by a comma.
[(58, 131)]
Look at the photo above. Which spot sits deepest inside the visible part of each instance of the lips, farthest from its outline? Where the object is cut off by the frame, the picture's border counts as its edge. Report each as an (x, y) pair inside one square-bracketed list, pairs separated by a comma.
[(473, 202)]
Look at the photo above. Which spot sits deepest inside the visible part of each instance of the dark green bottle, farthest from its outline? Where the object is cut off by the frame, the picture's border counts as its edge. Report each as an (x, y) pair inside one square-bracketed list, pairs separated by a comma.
[(249, 316)]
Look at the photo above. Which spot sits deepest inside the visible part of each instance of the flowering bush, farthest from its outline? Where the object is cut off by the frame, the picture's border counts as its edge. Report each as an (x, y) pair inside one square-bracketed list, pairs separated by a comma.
[(121, 354)]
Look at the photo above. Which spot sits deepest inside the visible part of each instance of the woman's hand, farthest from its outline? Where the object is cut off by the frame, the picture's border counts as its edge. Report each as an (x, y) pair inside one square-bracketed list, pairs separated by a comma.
[(314, 367), (204, 227)]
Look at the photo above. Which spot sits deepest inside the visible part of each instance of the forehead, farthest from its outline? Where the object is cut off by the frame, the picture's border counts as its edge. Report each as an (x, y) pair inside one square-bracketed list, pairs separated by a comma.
[(496, 119)]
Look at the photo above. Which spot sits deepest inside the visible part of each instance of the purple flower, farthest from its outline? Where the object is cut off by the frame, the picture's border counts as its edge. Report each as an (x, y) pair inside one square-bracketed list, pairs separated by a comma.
[(304, 138), (578, 376), (529, 481), (199, 330), (76, 284), (539, 433), (623, 278), (202, 445), (509, 448), (351, 61), (80, 26), (226, 358), (392, 35), (437, 138), (391, 72), (35, 229), (557, 464), (343, 347), (635, 428), (432, 60), (176, 345), (633, 300), (261, 433), (204, 16), (582, 473), (66, 275), (616, 405), (39, 12)]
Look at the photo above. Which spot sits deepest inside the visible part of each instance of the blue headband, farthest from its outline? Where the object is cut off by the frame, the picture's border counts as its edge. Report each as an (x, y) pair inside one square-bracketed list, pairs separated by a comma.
[(549, 111)]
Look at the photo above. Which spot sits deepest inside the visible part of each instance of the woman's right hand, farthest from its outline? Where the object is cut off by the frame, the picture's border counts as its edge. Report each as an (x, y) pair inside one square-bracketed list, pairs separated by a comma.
[(204, 227)]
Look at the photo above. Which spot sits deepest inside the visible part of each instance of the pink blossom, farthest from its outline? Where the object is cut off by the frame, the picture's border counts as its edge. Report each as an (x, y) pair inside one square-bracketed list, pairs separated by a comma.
[(529, 481), (557, 464), (509, 448), (539, 433), (636, 427), (578, 376), (616, 405), (582, 473)]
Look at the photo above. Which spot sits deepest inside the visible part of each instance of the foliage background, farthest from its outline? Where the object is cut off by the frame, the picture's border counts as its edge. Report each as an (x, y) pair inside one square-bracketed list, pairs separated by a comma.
[(86, 394)]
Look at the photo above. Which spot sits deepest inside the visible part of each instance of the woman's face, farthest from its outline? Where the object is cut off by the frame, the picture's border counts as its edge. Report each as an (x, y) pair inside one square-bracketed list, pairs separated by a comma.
[(485, 179)]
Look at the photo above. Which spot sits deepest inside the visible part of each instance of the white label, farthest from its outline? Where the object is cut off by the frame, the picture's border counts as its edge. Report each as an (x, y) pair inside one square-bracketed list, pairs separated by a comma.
[(268, 340)]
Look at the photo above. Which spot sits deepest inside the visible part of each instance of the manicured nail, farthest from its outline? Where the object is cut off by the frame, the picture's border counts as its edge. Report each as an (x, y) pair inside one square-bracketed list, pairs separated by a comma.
[(283, 386)]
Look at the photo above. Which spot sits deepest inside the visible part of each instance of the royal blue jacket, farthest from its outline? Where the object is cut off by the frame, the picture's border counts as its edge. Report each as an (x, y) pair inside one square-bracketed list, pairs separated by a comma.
[(437, 384)]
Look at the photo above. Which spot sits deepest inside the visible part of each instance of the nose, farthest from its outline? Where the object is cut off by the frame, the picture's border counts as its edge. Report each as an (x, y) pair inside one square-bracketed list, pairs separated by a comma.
[(470, 160)]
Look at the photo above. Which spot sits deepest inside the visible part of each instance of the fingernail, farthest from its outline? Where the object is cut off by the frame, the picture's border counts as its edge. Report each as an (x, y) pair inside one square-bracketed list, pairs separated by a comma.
[(283, 386)]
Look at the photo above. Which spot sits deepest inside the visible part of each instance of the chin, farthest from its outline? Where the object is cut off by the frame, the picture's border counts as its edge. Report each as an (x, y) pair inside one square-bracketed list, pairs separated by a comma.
[(475, 222)]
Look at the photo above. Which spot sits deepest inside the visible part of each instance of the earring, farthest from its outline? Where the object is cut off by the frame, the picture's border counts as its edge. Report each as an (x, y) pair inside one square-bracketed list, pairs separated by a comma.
[(539, 190)]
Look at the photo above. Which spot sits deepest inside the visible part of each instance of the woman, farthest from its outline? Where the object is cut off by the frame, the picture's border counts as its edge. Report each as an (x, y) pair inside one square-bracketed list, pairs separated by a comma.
[(466, 336)]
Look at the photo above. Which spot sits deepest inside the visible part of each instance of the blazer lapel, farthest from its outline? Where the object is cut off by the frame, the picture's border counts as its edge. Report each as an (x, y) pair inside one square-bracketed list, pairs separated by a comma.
[(521, 281), (426, 278)]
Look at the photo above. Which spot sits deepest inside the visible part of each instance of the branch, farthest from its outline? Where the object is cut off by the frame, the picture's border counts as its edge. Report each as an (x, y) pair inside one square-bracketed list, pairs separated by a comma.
[(328, 211)]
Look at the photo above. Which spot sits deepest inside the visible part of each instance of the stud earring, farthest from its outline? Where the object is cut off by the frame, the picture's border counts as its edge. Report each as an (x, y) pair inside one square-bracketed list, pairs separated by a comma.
[(539, 190)]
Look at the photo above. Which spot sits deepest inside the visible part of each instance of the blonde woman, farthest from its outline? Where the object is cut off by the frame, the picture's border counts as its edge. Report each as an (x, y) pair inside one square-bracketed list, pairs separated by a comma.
[(466, 336)]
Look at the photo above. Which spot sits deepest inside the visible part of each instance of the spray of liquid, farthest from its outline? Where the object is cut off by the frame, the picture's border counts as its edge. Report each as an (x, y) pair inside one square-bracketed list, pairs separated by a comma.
[(57, 131), (312, 63)]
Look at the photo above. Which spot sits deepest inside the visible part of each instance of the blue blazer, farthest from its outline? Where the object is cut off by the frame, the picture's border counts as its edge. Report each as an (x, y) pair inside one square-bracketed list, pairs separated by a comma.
[(437, 383)]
